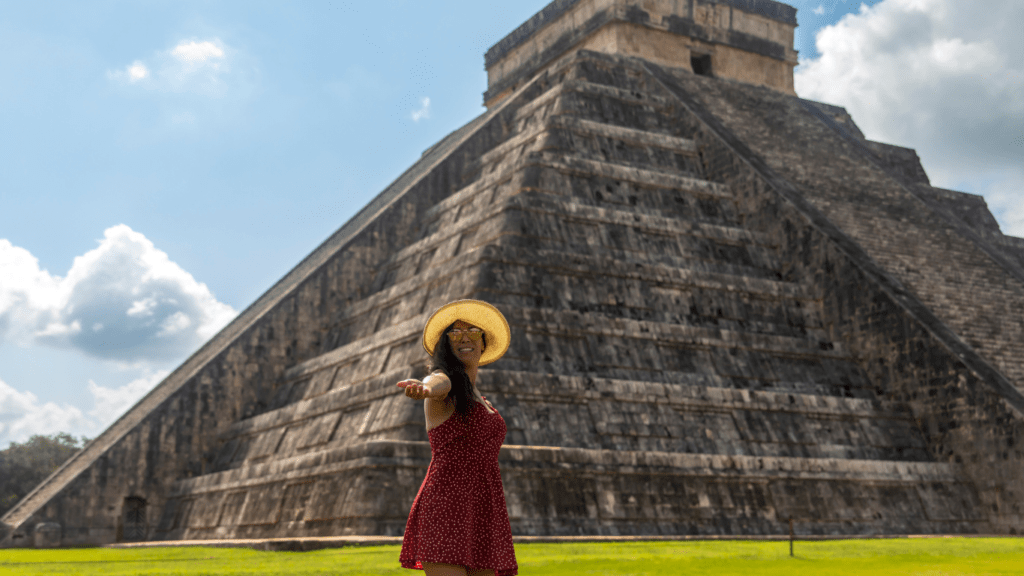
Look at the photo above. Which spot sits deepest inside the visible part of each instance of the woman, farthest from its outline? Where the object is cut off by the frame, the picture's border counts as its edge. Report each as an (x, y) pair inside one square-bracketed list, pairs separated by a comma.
[(458, 524)]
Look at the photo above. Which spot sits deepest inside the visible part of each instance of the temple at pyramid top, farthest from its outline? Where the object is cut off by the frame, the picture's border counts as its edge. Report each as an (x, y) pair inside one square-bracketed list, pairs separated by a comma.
[(746, 40)]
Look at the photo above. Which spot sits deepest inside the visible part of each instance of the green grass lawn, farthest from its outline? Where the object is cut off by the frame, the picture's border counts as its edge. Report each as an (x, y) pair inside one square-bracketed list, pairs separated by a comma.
[(925, 557)]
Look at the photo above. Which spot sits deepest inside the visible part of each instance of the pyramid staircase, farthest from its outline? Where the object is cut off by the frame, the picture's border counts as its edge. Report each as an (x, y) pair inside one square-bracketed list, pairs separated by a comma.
[(664, 376)]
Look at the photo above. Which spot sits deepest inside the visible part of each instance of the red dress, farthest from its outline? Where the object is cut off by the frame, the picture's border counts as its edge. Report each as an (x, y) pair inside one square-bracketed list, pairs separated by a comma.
[(459, 515)]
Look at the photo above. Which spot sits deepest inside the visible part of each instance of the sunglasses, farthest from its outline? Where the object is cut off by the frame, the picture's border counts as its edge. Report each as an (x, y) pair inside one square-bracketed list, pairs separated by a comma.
[(455, 334)]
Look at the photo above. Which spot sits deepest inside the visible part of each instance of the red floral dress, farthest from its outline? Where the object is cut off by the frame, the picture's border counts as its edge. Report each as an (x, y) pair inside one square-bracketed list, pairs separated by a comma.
[(459, 515)]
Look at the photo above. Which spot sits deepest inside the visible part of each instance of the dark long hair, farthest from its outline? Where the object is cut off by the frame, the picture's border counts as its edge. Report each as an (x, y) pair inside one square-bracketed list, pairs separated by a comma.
[(444, 359)]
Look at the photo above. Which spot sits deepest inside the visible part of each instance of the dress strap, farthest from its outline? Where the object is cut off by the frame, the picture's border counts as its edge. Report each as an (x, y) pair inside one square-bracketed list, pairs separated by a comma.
[(489, 405)]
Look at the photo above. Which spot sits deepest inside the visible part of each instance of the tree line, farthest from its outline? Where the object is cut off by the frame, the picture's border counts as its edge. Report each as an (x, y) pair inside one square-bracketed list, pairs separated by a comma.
[(23, 466)]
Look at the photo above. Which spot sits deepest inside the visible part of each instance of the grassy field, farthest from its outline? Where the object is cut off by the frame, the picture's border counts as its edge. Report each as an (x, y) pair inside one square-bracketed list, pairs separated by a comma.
[(925, 557)]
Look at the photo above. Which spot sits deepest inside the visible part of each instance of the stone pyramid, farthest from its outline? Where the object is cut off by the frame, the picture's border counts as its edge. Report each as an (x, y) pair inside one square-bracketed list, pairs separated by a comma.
[(728, 309)]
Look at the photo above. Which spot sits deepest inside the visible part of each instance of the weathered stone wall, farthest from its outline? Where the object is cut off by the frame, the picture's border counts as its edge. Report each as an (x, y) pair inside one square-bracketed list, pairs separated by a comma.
[(970, 414), (927, 254), (903, 161), (840, 116), (970, 208), (668, 48), (1013, 248), (973, 211)]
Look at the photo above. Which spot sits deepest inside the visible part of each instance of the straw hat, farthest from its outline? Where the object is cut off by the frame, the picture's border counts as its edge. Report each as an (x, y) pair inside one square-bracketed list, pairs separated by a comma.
[(479, 314)]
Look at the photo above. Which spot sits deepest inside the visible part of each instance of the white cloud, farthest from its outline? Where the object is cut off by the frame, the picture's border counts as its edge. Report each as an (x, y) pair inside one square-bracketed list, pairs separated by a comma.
[(133, 73), (192, 66), (24, 288), (110, 403), (197, 51), (940, 76), (821, 9), (196, 67), (423, 112), (137, 306), (137, 71), (22, 415)]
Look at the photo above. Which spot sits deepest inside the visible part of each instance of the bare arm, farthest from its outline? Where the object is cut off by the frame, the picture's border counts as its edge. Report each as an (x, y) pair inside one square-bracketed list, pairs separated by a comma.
[(435, 386)]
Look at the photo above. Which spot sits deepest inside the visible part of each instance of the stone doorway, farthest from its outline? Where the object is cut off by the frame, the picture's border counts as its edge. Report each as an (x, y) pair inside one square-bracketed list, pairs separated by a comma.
[(134, 519), (701, 64)]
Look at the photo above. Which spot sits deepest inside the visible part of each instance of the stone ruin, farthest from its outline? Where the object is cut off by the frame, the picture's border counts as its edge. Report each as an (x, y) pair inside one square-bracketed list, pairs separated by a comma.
[(728, 309)]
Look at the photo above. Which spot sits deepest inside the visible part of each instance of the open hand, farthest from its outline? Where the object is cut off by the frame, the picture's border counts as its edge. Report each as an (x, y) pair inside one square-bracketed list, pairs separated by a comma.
[(415, 389)]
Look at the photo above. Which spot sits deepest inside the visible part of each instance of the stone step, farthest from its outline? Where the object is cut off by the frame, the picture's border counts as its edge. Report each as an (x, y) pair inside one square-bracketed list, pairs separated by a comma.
[(538, 136), (650, 109), (642, 291), (646, 176), (662, 417), (653, 238), (638, 300), (677, 417), (595, 105), (655, 273), (603, 148), (638, 243), (581, 324), (577, 166), (626, 135), (623, 189), (688, 295), (694, 395), (445, 241), (581, 212), (785, 429), (544, 103), (603, 208), (417, 454), (548, 485), (817, 382), (603, 332), (561, 488), (591, 68), (404, 295), (636, 261), (693, 392)]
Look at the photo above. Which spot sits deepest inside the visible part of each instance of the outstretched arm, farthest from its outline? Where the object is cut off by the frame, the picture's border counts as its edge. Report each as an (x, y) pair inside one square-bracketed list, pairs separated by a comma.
[(435, 386)]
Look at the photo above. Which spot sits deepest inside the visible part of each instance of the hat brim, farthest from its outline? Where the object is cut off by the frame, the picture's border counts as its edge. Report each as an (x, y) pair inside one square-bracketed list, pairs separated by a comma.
[(475, 312)]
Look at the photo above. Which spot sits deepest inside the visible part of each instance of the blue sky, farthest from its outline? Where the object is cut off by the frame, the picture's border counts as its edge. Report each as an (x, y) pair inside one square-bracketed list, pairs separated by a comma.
[(175, 159)]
